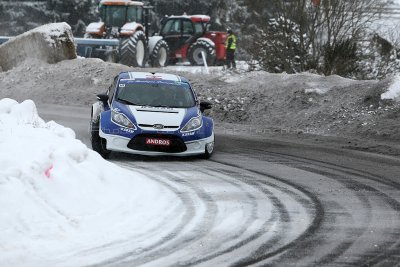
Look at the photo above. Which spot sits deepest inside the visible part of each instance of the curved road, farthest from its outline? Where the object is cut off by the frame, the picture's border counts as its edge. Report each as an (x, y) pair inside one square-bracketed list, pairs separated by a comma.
[(265, 202)]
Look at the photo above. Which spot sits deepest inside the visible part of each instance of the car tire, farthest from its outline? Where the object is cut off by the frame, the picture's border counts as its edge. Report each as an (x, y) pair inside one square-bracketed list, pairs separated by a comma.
[(98, 144), (207, 154), (195, 53), (133, 50), (159, 55)]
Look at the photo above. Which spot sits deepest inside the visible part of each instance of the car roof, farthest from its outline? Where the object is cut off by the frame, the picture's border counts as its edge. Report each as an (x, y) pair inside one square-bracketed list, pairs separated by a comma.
[(151, 76)]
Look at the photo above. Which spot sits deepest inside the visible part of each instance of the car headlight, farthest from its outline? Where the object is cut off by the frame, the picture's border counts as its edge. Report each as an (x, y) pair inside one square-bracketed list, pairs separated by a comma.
[(193, 124), (121, 120)]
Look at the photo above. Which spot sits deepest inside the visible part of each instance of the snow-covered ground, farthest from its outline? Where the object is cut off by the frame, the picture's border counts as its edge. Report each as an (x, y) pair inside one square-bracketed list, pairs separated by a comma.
[(58, 198), (394, 90)]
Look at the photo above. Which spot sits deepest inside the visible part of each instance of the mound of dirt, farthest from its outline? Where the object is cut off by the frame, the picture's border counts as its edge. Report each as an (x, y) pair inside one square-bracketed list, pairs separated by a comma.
[(254, 102), (50, 43)]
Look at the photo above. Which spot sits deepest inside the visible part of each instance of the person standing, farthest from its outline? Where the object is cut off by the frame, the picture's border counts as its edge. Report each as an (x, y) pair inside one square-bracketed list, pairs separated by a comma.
[(230, 45)]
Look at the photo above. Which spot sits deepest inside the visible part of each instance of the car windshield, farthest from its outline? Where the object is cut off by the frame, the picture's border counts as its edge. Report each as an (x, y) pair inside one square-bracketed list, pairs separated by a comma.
[(156, 94)]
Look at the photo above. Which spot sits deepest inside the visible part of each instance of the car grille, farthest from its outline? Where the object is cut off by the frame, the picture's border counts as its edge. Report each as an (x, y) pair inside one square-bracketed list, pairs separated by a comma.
[(151, 126), (139, 143)]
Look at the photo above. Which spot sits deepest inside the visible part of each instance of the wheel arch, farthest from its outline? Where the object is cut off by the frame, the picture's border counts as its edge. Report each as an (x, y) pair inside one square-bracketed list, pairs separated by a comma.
[(205, 39), (208, 126), (97, 109), (131, 28)]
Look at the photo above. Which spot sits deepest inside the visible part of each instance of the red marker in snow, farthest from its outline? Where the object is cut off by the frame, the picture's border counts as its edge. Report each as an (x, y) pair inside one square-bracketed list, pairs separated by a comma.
[(47, 171)]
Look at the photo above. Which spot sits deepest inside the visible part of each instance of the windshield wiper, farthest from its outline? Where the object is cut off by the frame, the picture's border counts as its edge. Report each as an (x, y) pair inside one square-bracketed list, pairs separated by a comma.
[(126, 101)]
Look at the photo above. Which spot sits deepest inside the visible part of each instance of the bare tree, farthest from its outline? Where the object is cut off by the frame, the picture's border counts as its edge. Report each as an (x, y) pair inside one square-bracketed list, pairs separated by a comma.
[(325, 25)]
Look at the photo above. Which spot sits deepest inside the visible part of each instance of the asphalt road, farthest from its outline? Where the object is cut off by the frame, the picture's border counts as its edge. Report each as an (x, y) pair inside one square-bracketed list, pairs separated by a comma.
[(263, 202)]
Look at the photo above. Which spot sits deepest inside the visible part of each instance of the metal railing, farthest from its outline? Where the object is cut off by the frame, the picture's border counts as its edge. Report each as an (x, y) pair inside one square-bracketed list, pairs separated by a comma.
[(80, 41)]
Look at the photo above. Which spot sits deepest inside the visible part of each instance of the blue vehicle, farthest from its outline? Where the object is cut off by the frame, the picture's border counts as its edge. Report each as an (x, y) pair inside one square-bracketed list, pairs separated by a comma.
[(151, 114)]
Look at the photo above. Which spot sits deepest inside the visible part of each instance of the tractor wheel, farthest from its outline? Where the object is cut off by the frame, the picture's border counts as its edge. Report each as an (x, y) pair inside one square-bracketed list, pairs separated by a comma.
[(133, 51), (195, 54), (159, 55)]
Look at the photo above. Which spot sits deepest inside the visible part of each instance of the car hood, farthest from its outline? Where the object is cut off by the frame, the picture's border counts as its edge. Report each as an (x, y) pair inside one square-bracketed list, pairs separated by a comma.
[(158, 115)]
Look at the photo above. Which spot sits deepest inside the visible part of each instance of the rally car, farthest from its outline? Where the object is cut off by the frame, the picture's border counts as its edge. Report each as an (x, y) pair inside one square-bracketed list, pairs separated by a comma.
[(151, 114)]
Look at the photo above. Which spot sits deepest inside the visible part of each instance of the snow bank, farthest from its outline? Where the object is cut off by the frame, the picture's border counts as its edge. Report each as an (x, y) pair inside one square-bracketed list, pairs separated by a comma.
[(394, 90), (51, 43), (61, 203)]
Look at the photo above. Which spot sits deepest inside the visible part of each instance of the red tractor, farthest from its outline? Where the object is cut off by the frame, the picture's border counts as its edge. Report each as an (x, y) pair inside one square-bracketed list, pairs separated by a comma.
[(188, 38)]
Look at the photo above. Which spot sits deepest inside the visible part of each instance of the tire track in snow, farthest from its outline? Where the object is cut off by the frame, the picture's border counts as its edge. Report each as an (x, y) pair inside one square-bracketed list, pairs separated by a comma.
[(262, 253), (164, 234), (341, 204), (175, 239), (356, 182), (360, 181), (241, 236)]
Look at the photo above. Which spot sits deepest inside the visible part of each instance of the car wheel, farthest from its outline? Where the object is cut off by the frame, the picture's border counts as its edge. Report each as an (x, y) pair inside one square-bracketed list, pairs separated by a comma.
[(133, 50), (196, 50), (98, 143), (159, 55), (208, 151)]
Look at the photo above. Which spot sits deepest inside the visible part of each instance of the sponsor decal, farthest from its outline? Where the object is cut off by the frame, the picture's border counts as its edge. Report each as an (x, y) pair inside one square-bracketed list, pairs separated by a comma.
[(156, 108), (127, 130), (158, 142), (153, 77), (188, 134)]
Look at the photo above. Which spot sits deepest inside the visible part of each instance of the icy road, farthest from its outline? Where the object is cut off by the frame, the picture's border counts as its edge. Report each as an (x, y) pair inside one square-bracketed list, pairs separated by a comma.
[(263, 202)]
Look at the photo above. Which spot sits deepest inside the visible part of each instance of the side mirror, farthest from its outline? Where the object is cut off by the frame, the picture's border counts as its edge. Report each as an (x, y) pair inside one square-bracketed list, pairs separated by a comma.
[(102, 97), (205, 105)]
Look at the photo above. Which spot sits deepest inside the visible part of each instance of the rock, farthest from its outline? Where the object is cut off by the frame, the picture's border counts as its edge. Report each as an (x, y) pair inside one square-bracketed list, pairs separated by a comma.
[(50, 43)]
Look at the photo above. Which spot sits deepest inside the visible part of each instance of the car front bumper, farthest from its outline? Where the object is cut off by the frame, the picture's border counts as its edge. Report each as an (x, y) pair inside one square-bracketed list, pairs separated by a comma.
[(120, 144)]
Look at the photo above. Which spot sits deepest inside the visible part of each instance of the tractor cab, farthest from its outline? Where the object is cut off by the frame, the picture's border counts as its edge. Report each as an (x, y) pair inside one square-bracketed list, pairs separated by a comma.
[(116, 14), (179, 30)]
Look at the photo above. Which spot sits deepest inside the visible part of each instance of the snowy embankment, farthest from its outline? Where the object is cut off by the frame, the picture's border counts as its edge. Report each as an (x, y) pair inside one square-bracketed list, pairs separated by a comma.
[(51, 43), (394, 90), (61, 203)]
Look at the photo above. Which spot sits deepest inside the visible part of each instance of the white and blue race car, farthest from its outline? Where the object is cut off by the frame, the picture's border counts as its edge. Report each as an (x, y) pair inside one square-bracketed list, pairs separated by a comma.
[(151, 114)]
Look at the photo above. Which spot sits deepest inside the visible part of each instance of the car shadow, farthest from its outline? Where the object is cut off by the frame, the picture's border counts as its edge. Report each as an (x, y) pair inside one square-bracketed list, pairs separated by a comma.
[(120, 156)]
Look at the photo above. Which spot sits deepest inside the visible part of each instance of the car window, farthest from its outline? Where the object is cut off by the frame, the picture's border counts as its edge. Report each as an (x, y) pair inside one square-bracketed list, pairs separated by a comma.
[(111, 89), (156, 94)]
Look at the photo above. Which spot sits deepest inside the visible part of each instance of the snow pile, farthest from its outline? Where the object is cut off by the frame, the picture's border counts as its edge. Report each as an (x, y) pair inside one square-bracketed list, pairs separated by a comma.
[(318, 91), (52, 31), (61, 203), (51, 43), (394, 90)]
